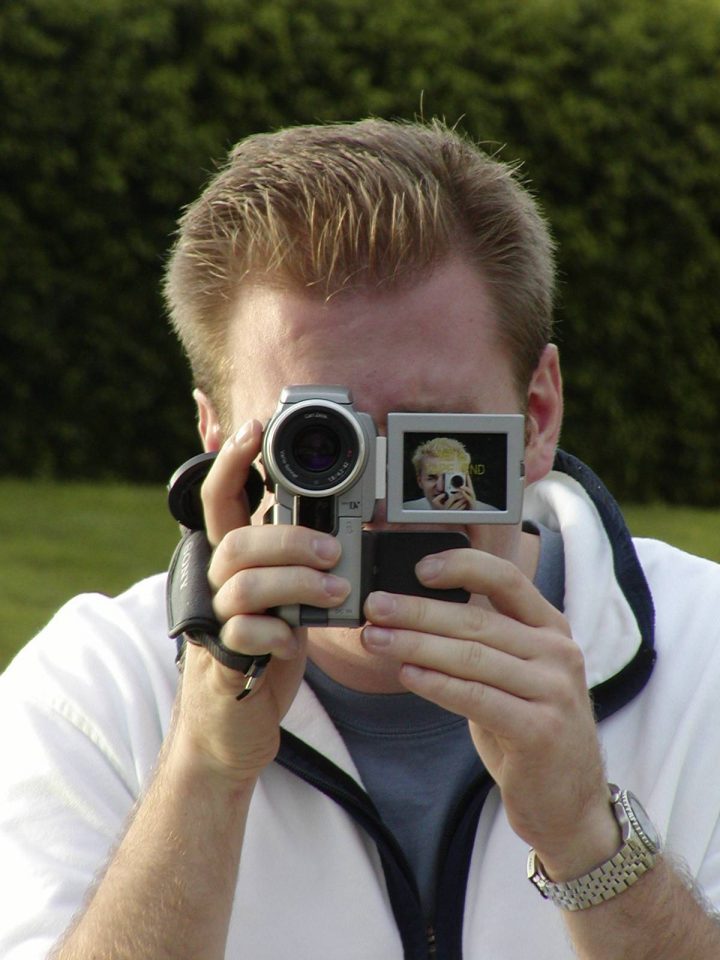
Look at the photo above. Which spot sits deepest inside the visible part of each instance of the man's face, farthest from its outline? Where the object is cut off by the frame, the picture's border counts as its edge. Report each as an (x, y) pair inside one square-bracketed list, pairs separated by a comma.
[(431, 478), (429, 347)]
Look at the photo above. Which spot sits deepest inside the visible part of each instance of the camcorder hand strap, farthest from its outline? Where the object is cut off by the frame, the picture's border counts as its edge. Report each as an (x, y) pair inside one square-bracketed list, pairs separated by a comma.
[(190, 612), (189, 599)]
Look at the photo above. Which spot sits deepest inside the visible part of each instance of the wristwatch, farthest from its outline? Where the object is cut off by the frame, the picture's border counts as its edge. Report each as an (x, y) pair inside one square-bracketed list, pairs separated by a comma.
[(637, 854)]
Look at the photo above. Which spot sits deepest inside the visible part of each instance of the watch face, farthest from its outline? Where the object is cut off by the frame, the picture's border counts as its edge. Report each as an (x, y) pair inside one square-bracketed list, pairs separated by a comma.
[(642, 822)]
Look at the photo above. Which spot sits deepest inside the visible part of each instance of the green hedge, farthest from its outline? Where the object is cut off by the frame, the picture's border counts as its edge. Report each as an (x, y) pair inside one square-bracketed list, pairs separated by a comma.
[(114, 110)]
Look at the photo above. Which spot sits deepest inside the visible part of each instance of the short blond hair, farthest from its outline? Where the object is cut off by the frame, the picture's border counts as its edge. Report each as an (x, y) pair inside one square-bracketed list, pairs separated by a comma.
[(337, 207), (441, 448)]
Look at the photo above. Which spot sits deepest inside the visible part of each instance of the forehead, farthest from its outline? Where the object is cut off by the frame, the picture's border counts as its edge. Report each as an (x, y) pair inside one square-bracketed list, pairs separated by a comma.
[(434, 465), (429, 346)]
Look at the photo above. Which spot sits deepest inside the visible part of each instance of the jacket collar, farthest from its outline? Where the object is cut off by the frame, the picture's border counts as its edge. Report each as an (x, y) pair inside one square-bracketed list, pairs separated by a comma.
[(607, 598)]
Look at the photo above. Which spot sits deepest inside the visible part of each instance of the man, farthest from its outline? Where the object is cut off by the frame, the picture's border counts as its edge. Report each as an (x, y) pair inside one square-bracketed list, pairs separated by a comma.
[(441, 470), (194, 824)]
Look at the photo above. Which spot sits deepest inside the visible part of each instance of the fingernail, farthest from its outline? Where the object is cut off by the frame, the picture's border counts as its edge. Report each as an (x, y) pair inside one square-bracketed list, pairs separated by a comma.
[(382, 604), (326, 549), (377, 637), (243, 433), (429, 568), (335, 586)]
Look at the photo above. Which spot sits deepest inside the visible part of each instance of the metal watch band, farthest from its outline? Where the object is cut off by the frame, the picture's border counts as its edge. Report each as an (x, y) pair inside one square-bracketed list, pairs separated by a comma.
[(605, 882), (637, 855)]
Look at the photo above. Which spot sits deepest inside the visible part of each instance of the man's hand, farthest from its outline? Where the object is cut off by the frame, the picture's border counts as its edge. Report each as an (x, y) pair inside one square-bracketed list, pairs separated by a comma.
[(461, 499), (253, 569), (507, 662)]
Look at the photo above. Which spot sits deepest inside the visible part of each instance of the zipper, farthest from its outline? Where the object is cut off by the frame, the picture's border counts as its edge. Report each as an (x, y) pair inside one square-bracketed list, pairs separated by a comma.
[(431, 942)]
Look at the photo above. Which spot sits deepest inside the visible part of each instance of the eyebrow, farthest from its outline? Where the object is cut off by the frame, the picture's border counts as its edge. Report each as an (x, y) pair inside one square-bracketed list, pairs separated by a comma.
[(418, 408)]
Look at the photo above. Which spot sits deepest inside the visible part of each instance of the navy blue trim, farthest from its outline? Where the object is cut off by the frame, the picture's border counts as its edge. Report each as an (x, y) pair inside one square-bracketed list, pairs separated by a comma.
[(455, 868), (612, 694), (304, 761)]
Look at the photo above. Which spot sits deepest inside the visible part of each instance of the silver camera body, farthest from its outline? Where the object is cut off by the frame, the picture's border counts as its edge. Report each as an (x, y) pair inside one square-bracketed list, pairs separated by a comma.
[(322, 457), (329, 467)]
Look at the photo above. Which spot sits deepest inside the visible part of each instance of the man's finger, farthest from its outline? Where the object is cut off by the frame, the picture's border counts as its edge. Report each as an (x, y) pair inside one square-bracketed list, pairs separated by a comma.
[(507, 589), (224, 500)]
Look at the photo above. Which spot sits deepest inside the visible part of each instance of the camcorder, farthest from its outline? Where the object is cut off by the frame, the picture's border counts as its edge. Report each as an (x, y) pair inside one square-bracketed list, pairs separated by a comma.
[(328, 467)]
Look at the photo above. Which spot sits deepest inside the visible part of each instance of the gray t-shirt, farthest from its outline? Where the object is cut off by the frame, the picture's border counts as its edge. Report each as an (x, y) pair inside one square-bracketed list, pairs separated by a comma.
[(417, 760)]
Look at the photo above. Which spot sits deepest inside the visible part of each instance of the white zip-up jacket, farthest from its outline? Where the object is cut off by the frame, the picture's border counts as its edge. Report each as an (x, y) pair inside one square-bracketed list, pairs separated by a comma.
[(85, 707)]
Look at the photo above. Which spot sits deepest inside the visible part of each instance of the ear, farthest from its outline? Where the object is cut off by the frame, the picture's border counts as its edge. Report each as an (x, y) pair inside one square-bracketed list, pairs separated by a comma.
[(544, 415), (208, 423)]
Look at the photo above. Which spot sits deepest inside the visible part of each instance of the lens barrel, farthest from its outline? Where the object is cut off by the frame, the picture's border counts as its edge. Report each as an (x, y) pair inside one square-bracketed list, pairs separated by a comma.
[(315, 448)]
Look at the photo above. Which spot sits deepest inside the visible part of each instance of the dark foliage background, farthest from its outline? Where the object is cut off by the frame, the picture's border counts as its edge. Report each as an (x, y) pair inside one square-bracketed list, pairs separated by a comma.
[(113, 112)]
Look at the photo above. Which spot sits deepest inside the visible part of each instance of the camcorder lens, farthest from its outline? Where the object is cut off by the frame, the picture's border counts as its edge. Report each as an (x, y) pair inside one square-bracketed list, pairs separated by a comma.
[(316, 448)]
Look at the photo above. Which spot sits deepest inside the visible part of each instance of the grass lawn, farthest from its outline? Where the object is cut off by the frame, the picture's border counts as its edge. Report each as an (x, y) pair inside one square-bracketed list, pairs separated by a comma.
[(63, 539), (695, 530)]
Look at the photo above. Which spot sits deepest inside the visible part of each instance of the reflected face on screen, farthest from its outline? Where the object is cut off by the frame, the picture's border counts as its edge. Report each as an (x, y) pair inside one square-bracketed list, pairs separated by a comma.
[(433, 470)]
